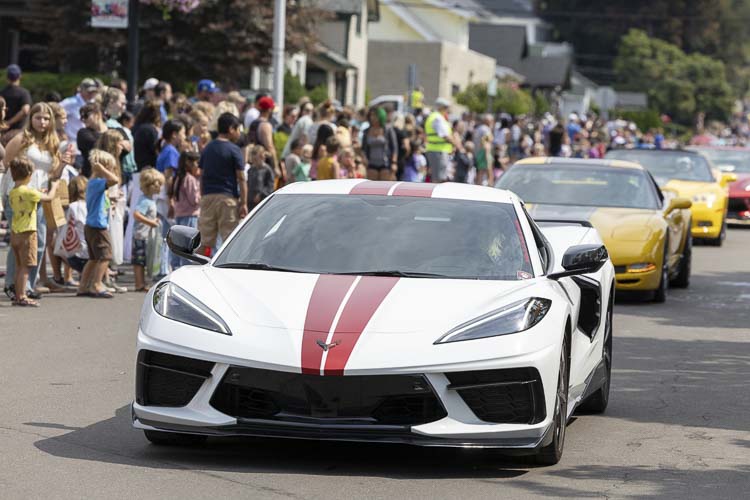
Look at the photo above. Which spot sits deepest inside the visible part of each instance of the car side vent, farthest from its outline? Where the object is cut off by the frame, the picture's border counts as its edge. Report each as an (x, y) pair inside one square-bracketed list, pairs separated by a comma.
[(590, 312)]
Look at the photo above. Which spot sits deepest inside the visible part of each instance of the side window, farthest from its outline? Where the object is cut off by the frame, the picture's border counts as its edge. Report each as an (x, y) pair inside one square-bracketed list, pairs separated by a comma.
[(545, 251)]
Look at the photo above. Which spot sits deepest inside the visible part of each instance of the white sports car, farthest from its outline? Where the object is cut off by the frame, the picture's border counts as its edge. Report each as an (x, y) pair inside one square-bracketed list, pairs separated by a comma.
[(437, 315)]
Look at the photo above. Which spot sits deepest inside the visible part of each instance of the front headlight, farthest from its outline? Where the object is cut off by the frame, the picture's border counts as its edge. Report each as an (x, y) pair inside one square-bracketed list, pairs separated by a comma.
[(707, 198), (174, 303), (513, 318)]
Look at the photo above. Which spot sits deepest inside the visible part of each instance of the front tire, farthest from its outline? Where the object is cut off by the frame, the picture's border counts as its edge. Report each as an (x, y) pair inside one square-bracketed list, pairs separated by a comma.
[(162, 438), (660, 294), (682, 280), (598, 401), (552, 453), (718, 241)]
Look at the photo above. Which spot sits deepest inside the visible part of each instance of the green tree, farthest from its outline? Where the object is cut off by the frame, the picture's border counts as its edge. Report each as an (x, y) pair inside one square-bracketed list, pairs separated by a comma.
[(221, 39), (677, 83), (293, 88), (509, 99)]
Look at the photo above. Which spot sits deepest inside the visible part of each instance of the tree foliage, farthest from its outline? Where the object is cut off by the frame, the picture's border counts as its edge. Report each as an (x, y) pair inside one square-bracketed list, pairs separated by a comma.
[(220, 39), (677, 83), (509, 99), (716, 28)]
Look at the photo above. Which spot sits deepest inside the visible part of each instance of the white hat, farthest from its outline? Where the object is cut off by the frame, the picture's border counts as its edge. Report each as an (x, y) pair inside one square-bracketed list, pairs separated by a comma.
[(441, 102), (150, 84)]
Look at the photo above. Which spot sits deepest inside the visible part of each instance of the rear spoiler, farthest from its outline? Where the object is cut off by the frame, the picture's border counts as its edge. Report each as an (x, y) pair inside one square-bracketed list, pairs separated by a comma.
[(564, 222)]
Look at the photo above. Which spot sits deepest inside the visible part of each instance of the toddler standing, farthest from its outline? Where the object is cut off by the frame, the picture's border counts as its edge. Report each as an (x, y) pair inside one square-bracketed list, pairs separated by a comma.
[(146, 218), (24, 200), (103, 175)]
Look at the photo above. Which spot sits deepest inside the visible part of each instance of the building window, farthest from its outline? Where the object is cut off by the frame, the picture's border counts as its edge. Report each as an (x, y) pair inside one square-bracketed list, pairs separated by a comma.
[(455, 89), (359, 24)]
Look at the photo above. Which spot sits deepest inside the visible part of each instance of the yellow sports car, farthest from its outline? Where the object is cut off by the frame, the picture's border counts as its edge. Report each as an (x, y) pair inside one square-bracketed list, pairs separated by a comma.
[(646, 233), (690, 175)]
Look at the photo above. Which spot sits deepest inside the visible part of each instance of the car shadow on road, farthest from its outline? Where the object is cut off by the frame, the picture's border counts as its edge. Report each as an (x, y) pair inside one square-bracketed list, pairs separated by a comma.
[(716, 300), (114, 440)]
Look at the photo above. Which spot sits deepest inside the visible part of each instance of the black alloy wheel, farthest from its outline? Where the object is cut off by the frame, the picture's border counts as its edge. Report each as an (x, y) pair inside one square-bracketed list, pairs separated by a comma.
[(682, 280), (660, 294), (719, 240), (552, 453)]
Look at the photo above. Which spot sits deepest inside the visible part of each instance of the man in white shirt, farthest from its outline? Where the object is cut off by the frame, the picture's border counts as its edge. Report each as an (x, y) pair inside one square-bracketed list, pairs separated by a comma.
[(72, 105)]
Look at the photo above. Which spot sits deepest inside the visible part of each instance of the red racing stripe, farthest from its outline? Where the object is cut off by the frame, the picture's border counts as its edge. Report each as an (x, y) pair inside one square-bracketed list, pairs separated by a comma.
[(373, 187), (363, 302), (329, 292), (418, 189)]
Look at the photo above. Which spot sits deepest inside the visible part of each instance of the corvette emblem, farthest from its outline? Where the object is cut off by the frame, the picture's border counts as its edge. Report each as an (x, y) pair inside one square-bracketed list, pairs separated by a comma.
[(327, 347)]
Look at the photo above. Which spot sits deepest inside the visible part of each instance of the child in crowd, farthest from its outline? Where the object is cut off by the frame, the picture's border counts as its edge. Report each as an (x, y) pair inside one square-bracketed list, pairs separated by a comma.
[(186, 196), (302, 170), (24, 201), (484, 163), (104, 174), (349, 167), (146, 218), (328, 166), (464, 163), (260, 177), (415, 167), (127, 119), (77, 217), (293, 159)]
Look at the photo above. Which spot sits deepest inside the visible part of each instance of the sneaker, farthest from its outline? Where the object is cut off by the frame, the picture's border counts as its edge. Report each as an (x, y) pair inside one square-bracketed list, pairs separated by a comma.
[(33, 294), (10, 292)]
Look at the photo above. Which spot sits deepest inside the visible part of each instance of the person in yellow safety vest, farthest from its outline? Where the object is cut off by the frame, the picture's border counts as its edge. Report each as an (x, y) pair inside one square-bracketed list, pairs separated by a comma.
[(440, 141), (417, 100)]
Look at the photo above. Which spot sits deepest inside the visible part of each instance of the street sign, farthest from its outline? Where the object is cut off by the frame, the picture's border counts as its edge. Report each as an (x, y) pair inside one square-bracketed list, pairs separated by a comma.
[(109, 14), (492, 87)]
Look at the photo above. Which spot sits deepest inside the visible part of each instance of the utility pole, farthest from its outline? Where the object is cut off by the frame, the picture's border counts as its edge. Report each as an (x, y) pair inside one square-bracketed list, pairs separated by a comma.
[(279, 35), (133, 49)]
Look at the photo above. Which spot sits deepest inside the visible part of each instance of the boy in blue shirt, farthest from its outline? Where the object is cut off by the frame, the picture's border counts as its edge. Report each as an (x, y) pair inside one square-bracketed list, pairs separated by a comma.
[(103, 175)]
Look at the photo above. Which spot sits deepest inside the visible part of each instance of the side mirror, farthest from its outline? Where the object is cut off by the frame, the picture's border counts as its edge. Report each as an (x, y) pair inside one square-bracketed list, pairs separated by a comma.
[(727, 178), (582, 259), (678, 204), (183, 241)]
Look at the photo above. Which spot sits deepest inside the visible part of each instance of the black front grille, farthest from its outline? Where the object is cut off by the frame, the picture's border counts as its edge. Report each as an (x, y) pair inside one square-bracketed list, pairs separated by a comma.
[(739, 204), (168, 380), (620, 269), (357, 400), (510, 396)]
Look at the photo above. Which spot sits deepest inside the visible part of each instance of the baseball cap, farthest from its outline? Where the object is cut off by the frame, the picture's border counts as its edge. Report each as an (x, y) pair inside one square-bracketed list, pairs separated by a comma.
[(88, 84), (442, 103), (14, 72), (150, 84), (207, 86), (265, 103)]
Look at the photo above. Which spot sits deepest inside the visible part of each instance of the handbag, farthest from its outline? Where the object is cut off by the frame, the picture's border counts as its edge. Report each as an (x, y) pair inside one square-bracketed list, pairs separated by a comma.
[(67, 242)]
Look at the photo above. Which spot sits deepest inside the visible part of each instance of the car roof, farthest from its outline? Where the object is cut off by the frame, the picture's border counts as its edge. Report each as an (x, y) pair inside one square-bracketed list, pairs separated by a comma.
[(552, 160), (675, 151), (446, 190), (718, 148)]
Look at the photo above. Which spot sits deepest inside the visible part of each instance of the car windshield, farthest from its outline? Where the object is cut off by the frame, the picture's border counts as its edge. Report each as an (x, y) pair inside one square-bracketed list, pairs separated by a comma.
[(582, 185), (738, 159), (665, 166), (400, 236)]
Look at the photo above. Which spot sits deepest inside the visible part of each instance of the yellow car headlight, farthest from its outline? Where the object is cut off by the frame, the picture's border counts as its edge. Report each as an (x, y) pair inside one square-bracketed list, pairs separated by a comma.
[(706, 198)]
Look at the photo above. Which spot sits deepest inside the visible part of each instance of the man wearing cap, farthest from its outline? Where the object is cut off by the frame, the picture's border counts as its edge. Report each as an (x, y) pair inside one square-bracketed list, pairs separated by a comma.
[(17, 99), (440, 141), (206, 91), (72, 105)]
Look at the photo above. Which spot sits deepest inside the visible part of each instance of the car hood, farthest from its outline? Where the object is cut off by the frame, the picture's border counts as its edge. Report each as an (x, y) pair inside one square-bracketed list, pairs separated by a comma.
[(737, 189), (688, 189), (613, 224), (309, 302)]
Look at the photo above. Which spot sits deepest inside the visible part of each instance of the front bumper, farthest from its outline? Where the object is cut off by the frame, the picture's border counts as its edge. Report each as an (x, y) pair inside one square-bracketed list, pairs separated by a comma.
[(455, 425), (637, 282), (739, 210), (707, 223)]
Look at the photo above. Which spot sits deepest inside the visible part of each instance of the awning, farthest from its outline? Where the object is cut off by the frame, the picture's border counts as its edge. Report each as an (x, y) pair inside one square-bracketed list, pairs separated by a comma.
[(326, 58)]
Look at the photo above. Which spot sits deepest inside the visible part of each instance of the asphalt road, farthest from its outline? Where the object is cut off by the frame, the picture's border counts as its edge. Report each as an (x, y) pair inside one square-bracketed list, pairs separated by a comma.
[(678, 425)]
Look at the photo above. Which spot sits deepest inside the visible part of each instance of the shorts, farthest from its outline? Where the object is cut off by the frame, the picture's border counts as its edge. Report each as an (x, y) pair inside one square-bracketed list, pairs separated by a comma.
[(99, 243), (139, 253), (219, 216), (24, 247), (438, 163)]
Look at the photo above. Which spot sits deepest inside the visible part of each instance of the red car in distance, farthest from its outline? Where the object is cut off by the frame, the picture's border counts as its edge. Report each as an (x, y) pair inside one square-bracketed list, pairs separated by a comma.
[(736, 160)]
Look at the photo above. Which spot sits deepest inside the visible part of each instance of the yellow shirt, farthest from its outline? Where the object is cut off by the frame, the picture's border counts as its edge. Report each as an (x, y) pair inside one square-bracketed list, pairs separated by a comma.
[(24, 201), (325, 168)]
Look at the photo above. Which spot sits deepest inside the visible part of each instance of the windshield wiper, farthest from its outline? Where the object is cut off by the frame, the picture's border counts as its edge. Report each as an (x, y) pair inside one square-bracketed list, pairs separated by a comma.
[(257, 265), (395, 272)]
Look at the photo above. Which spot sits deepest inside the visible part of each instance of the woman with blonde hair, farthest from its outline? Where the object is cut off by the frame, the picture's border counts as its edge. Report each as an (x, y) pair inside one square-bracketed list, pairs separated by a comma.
[(220, 109), (39, 143)]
